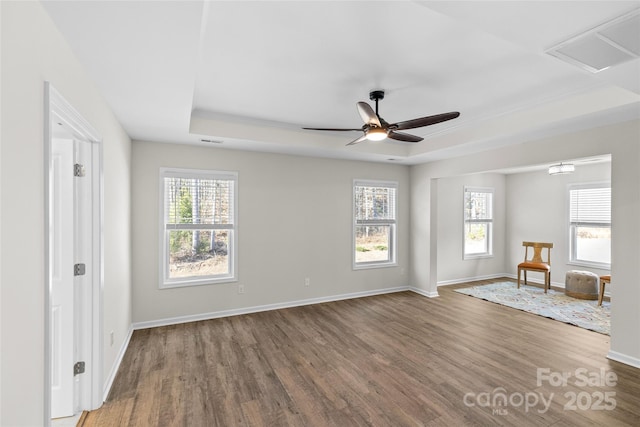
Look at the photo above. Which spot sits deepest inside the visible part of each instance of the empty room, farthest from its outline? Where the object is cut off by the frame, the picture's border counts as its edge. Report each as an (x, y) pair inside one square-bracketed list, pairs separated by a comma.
[(319, 213)]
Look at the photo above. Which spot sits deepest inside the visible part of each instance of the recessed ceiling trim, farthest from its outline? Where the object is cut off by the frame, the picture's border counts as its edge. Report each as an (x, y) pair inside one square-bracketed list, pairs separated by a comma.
[(616, 45), (604, 46)]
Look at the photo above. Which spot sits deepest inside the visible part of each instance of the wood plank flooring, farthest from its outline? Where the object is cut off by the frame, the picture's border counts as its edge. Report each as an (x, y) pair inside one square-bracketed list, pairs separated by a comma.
[(391, 360)]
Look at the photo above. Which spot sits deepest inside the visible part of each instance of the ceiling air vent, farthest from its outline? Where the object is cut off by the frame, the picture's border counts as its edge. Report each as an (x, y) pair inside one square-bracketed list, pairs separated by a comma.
[(609, 44)]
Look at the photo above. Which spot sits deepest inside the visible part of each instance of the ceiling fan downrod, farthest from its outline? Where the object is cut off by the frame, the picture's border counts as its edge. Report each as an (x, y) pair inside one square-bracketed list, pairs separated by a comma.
[(376, 95)]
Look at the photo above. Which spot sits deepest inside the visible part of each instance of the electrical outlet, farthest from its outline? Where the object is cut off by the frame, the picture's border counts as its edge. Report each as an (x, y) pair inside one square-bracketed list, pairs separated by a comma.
[(111, 339), (241, 289), (307, 281)]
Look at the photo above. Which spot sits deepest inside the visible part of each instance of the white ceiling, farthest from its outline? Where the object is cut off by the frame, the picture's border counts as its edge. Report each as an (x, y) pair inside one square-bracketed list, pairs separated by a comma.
[(251, 74)]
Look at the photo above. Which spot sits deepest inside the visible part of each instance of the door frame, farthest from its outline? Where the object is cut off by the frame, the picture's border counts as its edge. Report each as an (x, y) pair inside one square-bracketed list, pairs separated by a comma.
[(57, 110)]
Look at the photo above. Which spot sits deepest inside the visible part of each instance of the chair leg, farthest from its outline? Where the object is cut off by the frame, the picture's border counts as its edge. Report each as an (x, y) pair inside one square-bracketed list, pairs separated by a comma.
[(525, 277), (601, 294), (547, 281), (519, 270)]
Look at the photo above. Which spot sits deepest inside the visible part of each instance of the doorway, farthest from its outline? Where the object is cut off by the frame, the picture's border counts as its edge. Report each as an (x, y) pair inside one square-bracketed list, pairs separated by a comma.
[(73, 234)]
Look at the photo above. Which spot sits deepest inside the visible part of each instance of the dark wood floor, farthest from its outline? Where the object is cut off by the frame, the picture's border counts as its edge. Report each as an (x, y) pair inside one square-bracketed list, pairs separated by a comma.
[(392, 360)]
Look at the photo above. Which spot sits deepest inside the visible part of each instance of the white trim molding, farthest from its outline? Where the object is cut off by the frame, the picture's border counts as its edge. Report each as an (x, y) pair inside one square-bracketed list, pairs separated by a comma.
[(472, 279), (231, 226), (58, 111), (260, 308), (424, 293), (623, 358)]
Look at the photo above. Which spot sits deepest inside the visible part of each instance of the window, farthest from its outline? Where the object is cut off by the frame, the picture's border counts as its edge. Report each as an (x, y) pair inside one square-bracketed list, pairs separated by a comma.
[(199, 224), (374, 213), (590, 225), (478, 222)]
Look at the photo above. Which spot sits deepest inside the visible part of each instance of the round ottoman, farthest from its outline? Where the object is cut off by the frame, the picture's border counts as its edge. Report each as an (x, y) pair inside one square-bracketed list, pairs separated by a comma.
[(581, 284)]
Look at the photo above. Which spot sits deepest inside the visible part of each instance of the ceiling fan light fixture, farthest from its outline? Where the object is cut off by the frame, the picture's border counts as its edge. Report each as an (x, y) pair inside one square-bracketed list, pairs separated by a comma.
[(376, 129), (561, 168), (376, 134)]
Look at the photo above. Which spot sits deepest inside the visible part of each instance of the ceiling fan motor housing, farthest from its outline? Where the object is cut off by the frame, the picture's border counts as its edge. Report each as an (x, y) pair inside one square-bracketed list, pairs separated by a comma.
[(376, 95)]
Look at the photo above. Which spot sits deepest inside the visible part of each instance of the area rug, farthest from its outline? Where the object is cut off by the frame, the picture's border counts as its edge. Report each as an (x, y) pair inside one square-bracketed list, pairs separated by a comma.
[(554, 305)]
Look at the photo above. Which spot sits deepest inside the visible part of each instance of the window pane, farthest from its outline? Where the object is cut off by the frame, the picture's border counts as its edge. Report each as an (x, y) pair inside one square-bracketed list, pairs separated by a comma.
[(590, 221), (194, 253), (593, 244), (199, 218), (198, 201), (375, 203), (477, 205), (476, 238), (478, 217), (372, 243)]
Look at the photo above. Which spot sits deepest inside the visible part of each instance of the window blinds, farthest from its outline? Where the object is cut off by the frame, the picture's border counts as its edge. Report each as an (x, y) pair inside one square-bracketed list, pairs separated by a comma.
[(195, 202), (590, 206), (478, 205), (375, 203)]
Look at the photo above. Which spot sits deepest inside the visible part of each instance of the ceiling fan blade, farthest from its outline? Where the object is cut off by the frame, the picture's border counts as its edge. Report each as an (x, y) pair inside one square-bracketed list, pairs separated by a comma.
[(424, 121), (400, 136), (332, 129), (368, 115), (359, 140)]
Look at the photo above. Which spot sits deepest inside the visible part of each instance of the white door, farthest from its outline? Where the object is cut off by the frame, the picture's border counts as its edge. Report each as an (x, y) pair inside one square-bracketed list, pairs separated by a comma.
[(72, 271), (82, 250), (62, 292), (73, 237)]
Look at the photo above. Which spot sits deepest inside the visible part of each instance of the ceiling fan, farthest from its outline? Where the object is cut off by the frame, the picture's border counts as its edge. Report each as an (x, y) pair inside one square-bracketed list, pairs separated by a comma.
[(375, 128)]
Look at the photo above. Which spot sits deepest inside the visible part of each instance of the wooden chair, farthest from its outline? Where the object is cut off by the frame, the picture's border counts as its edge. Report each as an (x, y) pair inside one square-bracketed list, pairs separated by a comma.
[(603, 280), (536, 263)]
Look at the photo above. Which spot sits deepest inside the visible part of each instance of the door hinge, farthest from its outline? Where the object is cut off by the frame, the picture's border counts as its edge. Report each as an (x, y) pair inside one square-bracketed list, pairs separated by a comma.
[(78, 368), (78, 170), (79, 269)]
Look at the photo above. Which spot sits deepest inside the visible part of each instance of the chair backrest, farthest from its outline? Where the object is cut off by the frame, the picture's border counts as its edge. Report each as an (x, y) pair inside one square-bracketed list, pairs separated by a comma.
[(537, 252)]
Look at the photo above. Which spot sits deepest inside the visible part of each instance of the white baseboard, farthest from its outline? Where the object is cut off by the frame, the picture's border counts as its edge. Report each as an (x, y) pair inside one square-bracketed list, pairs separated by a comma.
[(471, 279), (114, 369), (424, 293), (260, 308), (623, 358), (497, 276)]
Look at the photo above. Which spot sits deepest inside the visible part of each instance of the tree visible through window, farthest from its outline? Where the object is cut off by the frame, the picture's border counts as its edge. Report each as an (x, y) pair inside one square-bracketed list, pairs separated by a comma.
[(374, 223), (198, 227), (478, 219)]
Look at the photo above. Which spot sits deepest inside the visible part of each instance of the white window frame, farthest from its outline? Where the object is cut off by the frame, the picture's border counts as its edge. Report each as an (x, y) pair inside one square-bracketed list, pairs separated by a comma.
[(488, 221), (573, 260), (392, 223), (232, 276)]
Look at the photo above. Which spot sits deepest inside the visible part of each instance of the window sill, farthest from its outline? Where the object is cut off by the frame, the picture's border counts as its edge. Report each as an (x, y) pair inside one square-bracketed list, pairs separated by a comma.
[(196, 282), (479, 256), (367, 266), (596, 265)]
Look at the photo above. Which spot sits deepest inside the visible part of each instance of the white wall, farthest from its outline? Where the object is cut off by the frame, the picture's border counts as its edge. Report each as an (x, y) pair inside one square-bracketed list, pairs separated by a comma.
[(33, 51), (623, 142), (538, 210), (295, 221), (451, 265), (625, 251), (1, 215)]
